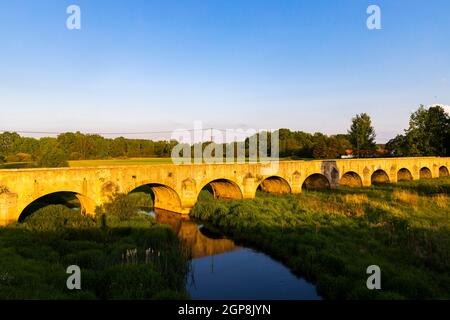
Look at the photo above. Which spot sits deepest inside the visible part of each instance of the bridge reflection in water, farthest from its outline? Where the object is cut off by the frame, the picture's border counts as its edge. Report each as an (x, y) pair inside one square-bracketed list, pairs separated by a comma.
[(200, 240), (222, 270)]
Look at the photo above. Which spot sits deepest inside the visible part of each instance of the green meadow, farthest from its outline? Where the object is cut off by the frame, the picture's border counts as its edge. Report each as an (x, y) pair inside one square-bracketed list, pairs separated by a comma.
[(121, 254), (332, 236), (329, 237)]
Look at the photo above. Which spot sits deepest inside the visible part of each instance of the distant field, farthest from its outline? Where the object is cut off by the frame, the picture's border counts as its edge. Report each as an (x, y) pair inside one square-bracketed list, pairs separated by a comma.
[(129, 162), (106, 162), (119, 162)]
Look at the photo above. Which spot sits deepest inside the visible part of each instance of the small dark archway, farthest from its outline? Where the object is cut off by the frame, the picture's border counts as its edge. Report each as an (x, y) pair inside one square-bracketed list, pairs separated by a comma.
[(425, 173), (221, 189), (316, 181), (351, 179), (379, 177), (156, 196), (443, 172), (143, 196), (404, 174), (274, 184), (72, 200)]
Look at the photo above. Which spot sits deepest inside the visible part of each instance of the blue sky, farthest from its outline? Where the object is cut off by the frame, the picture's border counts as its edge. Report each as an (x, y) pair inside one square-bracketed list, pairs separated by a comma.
[(143, 65)]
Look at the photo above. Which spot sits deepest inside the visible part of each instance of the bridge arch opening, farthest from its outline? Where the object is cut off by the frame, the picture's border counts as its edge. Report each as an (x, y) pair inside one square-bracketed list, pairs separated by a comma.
[(156, 196), (425, 173), (404, 174), (316, 181), (379, 177), (274, 184), (71, 200), (351, 179), (220, 189), (443, 172)]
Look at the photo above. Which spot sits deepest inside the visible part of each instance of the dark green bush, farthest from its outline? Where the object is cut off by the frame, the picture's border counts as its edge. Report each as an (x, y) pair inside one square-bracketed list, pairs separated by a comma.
[(122, 206), (57, 217)]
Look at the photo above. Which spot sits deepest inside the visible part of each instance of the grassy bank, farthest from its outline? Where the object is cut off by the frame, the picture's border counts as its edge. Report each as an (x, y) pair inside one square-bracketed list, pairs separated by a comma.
[(122, 255), (331, 237)]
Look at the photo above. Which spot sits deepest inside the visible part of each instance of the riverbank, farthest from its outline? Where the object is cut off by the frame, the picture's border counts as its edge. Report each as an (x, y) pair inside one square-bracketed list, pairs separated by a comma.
[(120, 256), (331, 237)]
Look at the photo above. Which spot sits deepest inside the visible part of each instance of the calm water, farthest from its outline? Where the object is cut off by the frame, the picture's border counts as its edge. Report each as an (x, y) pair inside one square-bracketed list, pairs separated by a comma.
[(223, 270), (245, 274)]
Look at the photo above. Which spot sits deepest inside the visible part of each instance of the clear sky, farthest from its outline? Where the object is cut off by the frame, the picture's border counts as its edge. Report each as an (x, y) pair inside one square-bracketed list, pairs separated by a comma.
[(141, 65)]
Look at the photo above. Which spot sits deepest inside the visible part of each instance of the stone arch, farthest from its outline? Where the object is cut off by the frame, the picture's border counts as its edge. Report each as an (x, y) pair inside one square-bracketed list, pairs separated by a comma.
[(351, 179), (404, 174), (316, 181), (69, 198), (275, 184), (163, 196), (223, 189), (379, 177), (443, 171), (425, 173)]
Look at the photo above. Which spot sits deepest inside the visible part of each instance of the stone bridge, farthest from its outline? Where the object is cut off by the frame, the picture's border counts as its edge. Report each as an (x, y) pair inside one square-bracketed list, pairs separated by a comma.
[(176, 187)]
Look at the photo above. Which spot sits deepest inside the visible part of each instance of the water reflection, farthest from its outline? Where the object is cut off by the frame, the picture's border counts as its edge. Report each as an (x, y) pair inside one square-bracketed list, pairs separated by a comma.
[(200, 240), (223, 270), (245, 274)]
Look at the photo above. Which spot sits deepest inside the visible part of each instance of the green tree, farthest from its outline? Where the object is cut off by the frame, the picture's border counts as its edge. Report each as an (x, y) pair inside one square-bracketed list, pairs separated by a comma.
[(429, 132), (320, 148), (118, 147), (398, 146), (8, 143), (52, 157), (362, 134), (343, 142)]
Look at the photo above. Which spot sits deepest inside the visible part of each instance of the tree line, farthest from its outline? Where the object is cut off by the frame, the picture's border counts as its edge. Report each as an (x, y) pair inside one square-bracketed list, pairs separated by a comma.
[(54, 152), (428, 134), (51, 151)]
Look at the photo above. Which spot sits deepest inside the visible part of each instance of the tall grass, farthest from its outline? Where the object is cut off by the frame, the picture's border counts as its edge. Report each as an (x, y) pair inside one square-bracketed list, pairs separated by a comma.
[(121, 256), (331, 237)]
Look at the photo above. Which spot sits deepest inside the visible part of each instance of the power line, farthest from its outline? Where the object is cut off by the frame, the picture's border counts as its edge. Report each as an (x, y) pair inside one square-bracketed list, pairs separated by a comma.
[(206, 133), (106, 133), (114, 133)]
